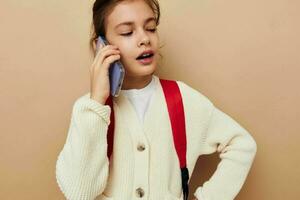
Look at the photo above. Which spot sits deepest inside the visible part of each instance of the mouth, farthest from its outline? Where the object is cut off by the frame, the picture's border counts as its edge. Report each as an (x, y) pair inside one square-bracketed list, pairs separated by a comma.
[(145, 57)]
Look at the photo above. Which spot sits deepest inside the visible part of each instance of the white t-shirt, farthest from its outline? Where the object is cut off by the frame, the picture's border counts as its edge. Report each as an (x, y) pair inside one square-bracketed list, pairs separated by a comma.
[(140, 98)]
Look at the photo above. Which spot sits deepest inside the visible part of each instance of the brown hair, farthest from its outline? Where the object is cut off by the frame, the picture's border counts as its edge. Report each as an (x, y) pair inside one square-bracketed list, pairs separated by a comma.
[(100, 10)]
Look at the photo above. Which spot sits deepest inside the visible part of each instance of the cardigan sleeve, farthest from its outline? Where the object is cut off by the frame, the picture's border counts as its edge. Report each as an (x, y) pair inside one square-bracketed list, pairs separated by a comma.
[(82, 165), (236, 148)]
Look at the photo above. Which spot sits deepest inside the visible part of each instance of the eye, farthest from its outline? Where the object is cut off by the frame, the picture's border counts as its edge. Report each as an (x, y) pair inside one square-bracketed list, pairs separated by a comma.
[(152, 30), (127, 34)]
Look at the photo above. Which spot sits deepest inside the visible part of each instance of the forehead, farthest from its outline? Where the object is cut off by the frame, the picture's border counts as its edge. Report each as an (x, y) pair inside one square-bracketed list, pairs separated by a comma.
[(135, 11)]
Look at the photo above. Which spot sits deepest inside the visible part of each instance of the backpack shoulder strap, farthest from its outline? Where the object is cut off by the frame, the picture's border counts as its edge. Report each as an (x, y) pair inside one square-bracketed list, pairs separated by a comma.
[(176, 115), (111, 128), (177, 118)]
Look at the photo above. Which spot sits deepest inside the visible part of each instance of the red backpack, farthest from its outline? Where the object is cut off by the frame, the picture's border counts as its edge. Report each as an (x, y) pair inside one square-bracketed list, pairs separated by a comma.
[(176, 115)]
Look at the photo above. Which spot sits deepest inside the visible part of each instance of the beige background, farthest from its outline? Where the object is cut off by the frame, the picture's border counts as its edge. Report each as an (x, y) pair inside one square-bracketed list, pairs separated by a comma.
[(243, 55)]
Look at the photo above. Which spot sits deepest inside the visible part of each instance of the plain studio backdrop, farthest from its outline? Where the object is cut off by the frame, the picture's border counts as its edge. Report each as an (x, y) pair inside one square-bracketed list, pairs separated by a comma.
[(243, 55)]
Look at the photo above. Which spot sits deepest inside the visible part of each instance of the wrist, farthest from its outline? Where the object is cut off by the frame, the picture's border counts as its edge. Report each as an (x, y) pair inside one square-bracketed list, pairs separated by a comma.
[(99, 100)]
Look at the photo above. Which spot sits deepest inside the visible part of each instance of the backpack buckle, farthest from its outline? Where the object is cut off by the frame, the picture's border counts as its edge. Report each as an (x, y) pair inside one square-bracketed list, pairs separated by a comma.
[(185, 186)]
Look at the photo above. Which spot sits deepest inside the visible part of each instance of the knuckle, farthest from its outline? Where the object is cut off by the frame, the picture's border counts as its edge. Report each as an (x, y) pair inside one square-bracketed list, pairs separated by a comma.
[(105, 62), (101, 57)]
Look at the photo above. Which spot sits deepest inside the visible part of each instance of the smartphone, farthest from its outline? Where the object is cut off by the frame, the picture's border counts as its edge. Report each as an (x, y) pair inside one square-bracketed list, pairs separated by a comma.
[(116, 71)]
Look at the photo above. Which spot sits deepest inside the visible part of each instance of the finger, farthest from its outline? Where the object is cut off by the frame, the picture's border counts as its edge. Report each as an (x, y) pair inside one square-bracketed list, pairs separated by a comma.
[(105, 48), (109, 47), (110, 60), (106, 61), (109, 52), (104, 54)]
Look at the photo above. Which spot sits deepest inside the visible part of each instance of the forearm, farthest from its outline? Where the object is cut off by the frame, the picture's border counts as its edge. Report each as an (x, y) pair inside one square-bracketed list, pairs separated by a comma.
[(82, 165)]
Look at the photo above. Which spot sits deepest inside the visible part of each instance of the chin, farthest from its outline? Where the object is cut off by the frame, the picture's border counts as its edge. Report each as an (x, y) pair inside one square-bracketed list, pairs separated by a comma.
[(147, 69), (141, 70)]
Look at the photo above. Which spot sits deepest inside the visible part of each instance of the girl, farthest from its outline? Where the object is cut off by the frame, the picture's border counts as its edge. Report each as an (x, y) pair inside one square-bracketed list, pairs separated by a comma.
[(144, 164)]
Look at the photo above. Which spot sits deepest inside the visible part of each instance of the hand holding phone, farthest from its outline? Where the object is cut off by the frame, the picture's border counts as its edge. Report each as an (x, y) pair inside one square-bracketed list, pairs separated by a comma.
[(101, 73), (116, 71)]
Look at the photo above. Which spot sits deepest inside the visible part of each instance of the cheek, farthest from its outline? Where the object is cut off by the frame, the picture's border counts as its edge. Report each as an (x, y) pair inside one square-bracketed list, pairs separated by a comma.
[(126, 58), (156, 42), (123, 48), (127, 52)]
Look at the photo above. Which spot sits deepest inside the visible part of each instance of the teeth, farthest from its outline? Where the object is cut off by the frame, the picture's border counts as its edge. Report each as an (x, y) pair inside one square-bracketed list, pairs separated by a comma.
[(144, 55)]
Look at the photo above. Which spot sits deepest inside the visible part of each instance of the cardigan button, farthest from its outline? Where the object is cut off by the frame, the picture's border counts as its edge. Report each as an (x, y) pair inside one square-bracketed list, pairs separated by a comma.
[(141, 147), (139, 192)]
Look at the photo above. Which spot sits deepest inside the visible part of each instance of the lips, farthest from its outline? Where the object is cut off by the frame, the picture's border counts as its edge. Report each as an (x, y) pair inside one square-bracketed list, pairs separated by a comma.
[(145, 54)]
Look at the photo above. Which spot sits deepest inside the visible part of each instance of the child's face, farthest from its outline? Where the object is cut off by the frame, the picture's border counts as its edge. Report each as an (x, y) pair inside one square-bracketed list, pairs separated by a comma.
[(140, 35)]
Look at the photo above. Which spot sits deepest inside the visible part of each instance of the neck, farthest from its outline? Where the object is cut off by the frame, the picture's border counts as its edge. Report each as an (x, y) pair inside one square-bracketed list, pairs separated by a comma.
[(132, 82)]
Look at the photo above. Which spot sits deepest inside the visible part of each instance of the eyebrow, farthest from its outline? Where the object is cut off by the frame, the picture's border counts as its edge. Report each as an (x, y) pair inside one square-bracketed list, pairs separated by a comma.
[(130, 23)]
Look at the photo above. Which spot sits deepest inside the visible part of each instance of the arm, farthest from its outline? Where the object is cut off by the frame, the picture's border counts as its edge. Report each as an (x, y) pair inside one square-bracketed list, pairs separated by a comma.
[(82, 165), (236, 149)]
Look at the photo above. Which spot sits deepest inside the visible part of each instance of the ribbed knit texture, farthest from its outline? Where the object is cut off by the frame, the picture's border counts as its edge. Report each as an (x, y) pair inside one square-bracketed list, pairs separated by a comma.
[(83, 171)]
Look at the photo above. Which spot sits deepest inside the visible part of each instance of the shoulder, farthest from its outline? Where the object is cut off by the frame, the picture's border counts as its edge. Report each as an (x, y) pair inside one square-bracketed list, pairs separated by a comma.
[(198, 109), (193, 96), (188, 93), (197, 106)]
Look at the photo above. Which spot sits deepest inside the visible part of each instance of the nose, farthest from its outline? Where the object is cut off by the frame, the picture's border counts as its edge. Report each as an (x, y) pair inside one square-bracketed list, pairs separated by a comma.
[(144, 39)]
